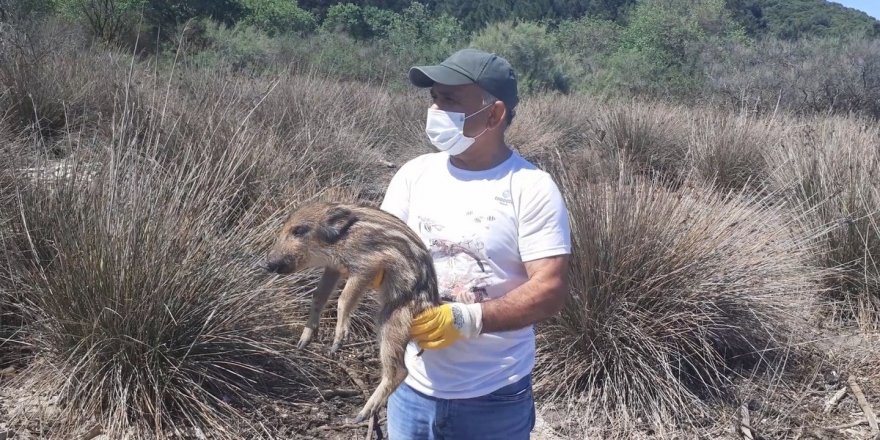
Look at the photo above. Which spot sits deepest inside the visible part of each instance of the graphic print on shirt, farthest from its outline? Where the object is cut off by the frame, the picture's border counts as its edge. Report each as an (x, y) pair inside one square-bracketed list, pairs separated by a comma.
[(463, 271)]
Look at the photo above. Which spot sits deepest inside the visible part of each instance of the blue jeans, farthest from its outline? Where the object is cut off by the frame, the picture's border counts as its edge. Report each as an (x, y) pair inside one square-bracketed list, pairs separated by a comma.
[(507, 413)]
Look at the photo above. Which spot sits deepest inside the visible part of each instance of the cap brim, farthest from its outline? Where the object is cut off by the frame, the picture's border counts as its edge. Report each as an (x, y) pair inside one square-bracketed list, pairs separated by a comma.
[(426, 76)]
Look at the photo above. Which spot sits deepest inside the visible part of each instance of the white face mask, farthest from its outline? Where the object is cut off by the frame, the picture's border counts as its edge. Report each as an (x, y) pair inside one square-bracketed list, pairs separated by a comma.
[(446, 130)]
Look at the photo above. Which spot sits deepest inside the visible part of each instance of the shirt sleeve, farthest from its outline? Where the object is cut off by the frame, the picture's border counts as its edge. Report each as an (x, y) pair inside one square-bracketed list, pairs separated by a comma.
[(396, 199), (544, 229)]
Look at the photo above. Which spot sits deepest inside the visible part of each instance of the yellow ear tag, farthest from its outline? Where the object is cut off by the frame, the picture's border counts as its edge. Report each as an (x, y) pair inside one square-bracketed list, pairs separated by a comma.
[(378, 280)]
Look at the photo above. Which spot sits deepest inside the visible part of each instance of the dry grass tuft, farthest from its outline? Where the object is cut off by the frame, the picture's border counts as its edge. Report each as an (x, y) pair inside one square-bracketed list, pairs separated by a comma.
[(143, 304), (649, 136), (674, 295), (729, 151), (722, 150), (830, 169), (53, 78)]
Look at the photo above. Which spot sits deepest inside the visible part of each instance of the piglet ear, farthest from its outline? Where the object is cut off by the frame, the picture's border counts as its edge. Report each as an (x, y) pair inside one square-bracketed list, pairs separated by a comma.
[(336, 224)]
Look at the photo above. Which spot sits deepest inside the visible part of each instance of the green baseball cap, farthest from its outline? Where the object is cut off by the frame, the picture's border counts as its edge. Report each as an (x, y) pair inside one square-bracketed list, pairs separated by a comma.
[(471, 66)]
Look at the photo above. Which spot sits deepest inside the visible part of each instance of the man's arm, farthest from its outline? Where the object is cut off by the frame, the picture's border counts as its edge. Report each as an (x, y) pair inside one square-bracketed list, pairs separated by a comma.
[(539, 298)]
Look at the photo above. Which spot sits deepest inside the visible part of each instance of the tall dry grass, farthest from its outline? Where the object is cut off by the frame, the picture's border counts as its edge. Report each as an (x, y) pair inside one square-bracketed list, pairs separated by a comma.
[(829, 168), (717, 148), (142, 314), (13, 350), (51, 76), (809, 76), (730, 151), (675, 294), (140, 307), (136, 252)]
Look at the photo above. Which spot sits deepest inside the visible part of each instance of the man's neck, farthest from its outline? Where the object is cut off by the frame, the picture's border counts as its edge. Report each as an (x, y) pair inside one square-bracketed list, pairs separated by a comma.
[(475, 160)]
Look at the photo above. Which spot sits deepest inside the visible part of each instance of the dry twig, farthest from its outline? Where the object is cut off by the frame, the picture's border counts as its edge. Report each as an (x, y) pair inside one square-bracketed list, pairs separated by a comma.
[(847, 425), (746, 423), (831, 404), (331, 393), (92, 433), (866, 407)]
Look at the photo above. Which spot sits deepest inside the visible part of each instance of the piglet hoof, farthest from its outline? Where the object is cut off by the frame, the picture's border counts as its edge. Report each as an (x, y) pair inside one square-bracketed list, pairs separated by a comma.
[(360, 418), (335, 347), (304, 339)]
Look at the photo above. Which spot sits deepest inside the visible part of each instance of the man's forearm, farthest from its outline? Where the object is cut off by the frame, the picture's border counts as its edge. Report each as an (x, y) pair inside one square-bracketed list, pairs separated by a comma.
[(533, 301)]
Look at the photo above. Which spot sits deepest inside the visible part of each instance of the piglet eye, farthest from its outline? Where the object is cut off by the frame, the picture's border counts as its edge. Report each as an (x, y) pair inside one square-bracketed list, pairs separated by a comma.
[(299, 231)]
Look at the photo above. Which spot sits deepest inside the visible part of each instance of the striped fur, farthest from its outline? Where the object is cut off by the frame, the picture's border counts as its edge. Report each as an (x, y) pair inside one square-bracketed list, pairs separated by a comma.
[(360, 242)]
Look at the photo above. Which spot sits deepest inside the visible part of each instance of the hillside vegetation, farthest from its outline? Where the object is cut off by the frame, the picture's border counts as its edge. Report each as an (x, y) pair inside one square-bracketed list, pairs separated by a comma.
[(722, 184)]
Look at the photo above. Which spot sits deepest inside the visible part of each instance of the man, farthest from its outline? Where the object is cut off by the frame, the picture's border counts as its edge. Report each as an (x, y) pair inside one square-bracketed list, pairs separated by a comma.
[(498, 231)]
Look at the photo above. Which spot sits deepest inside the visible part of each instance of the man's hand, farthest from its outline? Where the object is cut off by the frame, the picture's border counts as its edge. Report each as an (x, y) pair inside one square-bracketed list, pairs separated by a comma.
[(441, 326)]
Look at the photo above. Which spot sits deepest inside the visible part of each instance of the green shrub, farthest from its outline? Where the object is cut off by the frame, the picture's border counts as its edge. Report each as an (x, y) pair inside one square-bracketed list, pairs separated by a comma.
[(340, 56), (277, 17), (661, 46), (530, 50), (417, 36), (585, 46), (412, 37), (360, 22), (240, 47)]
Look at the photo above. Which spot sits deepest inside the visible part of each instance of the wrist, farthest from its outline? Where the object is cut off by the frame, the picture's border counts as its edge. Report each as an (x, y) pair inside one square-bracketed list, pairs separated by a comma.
[(471, 324)]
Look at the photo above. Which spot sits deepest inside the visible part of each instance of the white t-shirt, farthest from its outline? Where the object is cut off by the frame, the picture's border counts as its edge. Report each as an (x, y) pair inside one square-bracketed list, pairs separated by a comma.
[(480, 227)]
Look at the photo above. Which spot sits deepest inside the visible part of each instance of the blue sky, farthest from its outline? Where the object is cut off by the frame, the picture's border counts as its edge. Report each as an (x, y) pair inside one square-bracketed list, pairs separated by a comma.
[(872, 7)]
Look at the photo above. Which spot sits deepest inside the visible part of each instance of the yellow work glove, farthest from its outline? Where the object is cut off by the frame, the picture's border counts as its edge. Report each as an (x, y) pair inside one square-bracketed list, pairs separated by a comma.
[(441, 326)]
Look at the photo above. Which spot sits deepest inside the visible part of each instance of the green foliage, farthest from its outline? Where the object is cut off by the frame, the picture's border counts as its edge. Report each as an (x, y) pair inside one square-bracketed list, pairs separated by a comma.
[(418, 36), (585, 46), (321, 7), (477, 15), (175, 12), (277, 16), (239, 47), (661, 46), (360, 22), (749, 14), (793, 19), (341, 56), (359, 43), (530, 50)]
